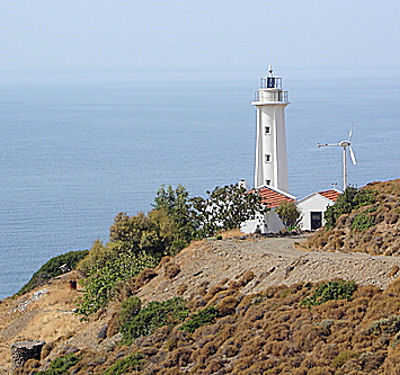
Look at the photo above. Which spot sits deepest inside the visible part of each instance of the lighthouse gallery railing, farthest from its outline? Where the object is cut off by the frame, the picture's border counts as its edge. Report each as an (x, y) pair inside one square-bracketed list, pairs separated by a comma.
[(272, 96)]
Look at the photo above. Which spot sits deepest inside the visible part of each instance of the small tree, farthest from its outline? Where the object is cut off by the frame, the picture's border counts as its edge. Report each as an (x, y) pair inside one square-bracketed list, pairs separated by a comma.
[(176, 204), (226, 208), (289, 214)]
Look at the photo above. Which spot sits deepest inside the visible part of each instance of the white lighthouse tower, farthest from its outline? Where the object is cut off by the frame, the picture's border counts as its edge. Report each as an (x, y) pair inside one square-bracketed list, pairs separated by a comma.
[(271, 160)]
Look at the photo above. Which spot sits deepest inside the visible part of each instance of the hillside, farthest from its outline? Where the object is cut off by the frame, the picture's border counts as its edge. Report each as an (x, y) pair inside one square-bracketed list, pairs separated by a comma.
[(240, 277), (326, 303), (372, 229)]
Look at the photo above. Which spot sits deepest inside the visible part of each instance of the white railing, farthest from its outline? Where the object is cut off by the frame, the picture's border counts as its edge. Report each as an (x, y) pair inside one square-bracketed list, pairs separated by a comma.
[(280, 96)]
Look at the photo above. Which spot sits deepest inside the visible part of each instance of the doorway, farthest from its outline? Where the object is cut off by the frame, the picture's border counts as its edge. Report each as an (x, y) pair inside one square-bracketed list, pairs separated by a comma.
[(316, 220)]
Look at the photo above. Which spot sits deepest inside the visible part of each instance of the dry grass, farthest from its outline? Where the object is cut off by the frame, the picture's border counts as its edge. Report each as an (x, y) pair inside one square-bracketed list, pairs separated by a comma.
[(233, 233), (50, 318)]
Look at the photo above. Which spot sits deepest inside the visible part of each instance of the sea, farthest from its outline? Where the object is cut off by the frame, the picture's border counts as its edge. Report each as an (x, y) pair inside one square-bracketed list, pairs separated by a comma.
[(76, 148)]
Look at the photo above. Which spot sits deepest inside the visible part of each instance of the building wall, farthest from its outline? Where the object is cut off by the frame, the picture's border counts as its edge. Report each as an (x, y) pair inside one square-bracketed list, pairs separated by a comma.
[(314, 203), (273, 144), (268, 223)]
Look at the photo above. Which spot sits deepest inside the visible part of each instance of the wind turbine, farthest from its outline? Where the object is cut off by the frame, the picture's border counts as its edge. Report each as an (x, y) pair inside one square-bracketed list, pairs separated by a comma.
[(345, 145)]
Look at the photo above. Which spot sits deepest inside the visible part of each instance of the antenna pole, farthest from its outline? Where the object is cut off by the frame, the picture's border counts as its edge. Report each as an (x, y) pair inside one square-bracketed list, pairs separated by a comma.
[(344, 169)]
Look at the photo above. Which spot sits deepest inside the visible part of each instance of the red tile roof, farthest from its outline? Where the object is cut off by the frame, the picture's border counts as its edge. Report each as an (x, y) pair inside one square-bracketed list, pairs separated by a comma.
[(332, 194), (272, 198)]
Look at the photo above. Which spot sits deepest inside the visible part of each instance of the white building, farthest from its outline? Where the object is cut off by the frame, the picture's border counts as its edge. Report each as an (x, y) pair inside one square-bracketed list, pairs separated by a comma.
[(270, 222), (271, 171), (313, 207), (271, 160)]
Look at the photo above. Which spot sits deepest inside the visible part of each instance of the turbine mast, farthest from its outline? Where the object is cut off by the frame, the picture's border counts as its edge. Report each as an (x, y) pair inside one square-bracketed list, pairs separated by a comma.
[(344, 169)]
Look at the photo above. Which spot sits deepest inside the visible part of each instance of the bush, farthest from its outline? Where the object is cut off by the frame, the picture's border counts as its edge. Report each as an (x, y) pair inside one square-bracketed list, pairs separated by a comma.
[(351, 199), (130, 308), (289, 214), (331, 290), (385, 326), (133, 362), (362, 222), (99, 286), (171, 270), (96, 258), (342, 358), (61, 365), (150, 234), (205, 316), (52, 269), (153, 316)]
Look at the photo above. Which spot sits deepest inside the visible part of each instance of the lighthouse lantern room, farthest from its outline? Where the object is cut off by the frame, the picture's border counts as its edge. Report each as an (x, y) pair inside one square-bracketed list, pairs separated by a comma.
[(271, 160)]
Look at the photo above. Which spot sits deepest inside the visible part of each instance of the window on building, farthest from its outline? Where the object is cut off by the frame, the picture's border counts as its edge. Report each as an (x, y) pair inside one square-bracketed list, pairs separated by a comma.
[(267, 182), (271, 82), (316, 220), (267, 158), (267, 130)]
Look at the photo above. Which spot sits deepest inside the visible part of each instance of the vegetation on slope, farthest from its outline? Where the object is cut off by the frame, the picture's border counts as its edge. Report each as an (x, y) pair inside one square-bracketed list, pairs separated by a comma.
[(139, 242), (61, 365), (132, 362), (142, 322), (362, 220), (331, 290), (333, 327), (52, 269), (350, 200), (349, 331)]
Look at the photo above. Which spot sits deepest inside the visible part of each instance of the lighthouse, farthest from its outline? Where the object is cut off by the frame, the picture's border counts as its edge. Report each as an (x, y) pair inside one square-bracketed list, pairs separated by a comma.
[(271, 160)]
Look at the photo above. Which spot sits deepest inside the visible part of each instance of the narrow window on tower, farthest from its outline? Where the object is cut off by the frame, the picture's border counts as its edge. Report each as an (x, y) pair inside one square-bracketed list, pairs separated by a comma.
[(267, 182), (267, 158), (267, 130)]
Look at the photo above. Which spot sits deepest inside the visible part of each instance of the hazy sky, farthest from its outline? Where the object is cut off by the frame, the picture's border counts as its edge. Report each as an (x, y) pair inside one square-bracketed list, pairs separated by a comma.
[(194, 34)]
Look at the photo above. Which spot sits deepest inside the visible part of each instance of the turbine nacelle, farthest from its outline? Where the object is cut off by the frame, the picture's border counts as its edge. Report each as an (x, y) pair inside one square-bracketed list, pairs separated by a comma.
[(344, 143)]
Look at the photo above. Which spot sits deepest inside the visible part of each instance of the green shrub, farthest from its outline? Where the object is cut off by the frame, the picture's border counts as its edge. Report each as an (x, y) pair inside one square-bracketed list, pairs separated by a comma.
[(362, 222), (205, 316), (99, 286), (133, 362), (151, 234), (61, 365), (130, 308), (351, 199), (97, 257), (384, 326), (331, 290), (342, 358), (218, 237), (52, 269), (290, 215), (175, 203), (153, 316)]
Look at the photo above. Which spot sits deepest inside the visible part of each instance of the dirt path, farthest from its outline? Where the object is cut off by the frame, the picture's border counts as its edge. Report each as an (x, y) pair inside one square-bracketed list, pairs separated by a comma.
[(273, 261)]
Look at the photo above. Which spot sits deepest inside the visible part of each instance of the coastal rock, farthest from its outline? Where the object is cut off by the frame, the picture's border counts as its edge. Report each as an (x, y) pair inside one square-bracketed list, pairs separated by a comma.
[(102, 333), (21, 351)]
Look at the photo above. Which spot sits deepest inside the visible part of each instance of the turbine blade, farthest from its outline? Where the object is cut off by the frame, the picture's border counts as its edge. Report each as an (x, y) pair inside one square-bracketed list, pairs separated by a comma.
[(327, 144), (352, 156), (350, 132)]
